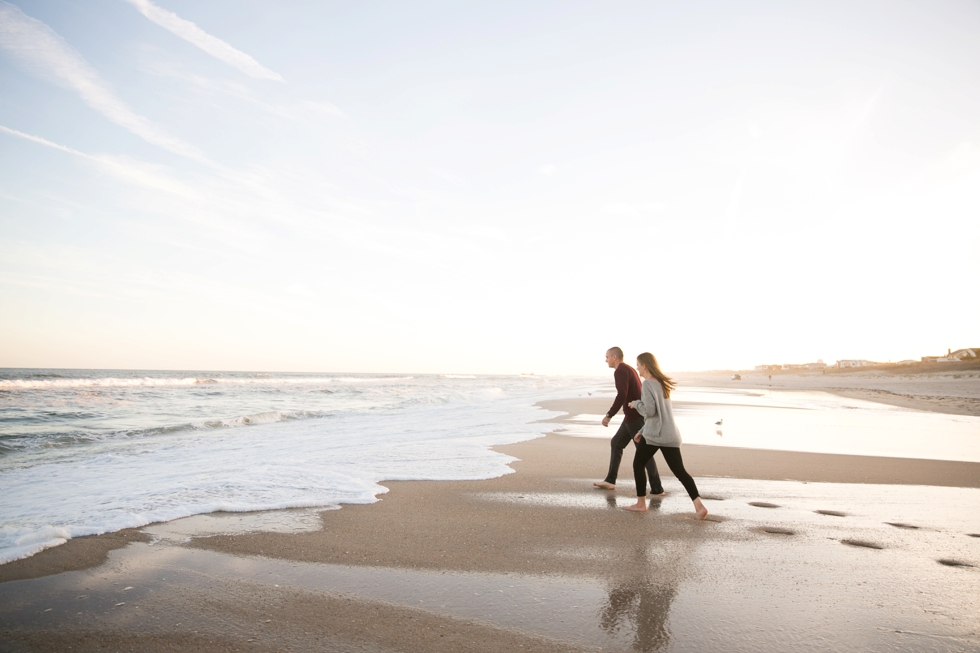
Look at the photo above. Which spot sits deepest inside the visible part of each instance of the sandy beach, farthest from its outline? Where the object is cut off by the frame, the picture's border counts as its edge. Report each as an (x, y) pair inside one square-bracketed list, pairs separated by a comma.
[(808, 551)]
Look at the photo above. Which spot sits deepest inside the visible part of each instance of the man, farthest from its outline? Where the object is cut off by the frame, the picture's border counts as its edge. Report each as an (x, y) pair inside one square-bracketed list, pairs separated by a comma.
[(627, 390)]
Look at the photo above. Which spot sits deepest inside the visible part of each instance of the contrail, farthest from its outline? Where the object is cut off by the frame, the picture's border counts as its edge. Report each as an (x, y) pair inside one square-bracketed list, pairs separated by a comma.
[(127, 170), (214, 46), (44, 51)]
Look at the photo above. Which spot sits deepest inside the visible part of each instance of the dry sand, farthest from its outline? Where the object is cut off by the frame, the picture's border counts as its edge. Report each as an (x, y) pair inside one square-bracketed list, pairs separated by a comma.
[(533, 561)]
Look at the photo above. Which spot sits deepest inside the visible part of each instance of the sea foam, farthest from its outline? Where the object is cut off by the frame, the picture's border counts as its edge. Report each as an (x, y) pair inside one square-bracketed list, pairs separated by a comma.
[(89, 464)]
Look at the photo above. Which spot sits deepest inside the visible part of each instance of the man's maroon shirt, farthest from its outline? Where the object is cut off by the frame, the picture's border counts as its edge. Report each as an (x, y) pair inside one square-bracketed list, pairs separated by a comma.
[(627, 389)]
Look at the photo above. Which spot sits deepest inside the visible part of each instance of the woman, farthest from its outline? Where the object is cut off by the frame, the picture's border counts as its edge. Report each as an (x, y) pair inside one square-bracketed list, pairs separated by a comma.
[(659, 432)]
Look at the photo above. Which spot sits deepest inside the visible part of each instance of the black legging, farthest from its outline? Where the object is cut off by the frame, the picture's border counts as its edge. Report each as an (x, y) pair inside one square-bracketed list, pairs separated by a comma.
[(644, 452)]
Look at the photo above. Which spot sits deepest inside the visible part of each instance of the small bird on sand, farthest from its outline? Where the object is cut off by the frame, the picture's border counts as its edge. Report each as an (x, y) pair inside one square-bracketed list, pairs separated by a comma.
[(718, 423)]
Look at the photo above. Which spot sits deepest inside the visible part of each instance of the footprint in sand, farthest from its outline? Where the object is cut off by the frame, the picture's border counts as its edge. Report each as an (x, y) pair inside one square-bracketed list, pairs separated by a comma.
[(773, 530), (863, 543), (763, 504), (898, 524), (832, 513), (949, 562)]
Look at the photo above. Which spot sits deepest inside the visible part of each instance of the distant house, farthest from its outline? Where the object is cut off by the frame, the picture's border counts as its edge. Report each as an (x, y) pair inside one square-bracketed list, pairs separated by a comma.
[(853, 363), (819, 365), (953, 356)]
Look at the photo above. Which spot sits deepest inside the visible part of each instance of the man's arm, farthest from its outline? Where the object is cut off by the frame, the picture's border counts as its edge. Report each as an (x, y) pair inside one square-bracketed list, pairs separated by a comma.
[(621, 377)]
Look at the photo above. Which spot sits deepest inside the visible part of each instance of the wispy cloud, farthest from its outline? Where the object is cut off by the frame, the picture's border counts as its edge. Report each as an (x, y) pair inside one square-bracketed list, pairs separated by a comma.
[(43, 50), (123, 169), (214, 46), (305, 110)]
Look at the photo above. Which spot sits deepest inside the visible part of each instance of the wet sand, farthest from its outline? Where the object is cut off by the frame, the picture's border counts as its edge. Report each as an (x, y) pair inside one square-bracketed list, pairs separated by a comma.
[(539, 561)]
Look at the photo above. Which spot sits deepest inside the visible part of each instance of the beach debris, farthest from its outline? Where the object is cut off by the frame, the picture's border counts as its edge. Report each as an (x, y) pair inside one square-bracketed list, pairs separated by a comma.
[(718, 423), (763, 504), (863, 543), (831, 513), (973, 534), (121, 603), (126, 589), (898, 524)]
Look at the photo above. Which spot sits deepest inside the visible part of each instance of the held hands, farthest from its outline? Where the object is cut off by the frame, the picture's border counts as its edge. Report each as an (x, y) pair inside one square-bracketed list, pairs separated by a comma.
[(636, 438), (605, 421), (633, 403)]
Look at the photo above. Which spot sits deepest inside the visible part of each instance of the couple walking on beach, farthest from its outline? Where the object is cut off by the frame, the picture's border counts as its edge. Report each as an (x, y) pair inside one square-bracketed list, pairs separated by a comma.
[(648, 420)]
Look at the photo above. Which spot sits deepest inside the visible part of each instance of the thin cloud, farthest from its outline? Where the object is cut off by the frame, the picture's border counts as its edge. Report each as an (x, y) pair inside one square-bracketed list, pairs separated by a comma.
[(214, 46), (127, 170), (43, 50), (306, 110)]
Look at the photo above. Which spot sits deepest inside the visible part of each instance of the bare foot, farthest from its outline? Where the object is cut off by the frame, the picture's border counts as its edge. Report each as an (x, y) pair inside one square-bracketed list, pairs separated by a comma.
[(699, 509), (658, 496), (636, 508), (602, 485)]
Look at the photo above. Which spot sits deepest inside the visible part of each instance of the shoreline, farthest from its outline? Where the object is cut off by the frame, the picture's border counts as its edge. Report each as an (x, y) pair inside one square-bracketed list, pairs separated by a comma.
[(557, 552), (536, 460), (712, 461)]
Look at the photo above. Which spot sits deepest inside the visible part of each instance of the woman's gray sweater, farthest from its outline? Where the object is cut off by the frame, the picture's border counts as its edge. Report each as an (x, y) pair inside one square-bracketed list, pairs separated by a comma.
[(659, 428)]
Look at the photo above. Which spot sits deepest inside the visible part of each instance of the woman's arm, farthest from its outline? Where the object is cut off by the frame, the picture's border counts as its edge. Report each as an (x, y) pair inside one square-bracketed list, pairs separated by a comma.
[(646, 405)]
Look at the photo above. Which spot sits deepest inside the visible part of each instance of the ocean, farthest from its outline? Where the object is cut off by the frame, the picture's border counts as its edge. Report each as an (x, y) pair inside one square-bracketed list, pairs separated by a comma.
[(84, 452)]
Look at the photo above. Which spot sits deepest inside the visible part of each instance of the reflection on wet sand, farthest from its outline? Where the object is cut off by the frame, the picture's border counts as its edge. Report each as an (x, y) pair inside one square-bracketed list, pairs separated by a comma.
[(640, 606), (638, 603), (644, 608)]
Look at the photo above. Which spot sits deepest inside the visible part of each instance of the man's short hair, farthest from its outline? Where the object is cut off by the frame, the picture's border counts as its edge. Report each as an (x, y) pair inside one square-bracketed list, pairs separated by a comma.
[(616, 351)]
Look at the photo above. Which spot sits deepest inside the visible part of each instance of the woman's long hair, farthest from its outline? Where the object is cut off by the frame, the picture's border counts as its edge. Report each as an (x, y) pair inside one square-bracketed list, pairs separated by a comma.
[(649, 361)]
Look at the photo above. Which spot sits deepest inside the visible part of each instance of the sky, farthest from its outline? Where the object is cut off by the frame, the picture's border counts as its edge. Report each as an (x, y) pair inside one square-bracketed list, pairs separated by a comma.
[(486, 187)]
